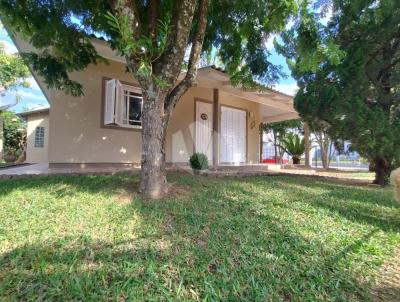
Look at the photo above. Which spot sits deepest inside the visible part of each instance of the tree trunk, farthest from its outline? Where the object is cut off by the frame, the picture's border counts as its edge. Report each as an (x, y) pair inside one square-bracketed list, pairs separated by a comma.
[(158, 102), (296, 160), (281, 154), (307, 144), (382, 171), (153, 183), (275, 147), (324, 158)]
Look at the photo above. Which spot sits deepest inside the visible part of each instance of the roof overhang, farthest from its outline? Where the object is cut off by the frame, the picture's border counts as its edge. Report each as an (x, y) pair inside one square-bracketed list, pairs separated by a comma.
[(274, 106), (34, 111)]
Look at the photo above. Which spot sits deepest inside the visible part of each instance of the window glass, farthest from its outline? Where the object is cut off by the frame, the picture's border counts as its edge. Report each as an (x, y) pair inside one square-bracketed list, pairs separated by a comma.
[(132, 109), (39, 137), (123, 105)]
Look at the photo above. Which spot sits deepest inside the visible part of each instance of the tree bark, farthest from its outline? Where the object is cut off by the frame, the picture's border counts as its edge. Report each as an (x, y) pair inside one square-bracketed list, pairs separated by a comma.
[(307, 144), (324, 158), (325, 144), (382, 171), (153, 184), (275, 147)]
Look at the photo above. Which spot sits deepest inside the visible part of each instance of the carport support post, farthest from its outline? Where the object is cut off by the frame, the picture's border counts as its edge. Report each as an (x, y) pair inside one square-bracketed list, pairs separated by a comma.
[(307, 144), (215, 127)]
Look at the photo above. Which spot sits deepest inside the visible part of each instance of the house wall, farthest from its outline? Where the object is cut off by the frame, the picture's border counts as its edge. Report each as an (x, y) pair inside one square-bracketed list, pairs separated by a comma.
[(77, 134), (33, 154)]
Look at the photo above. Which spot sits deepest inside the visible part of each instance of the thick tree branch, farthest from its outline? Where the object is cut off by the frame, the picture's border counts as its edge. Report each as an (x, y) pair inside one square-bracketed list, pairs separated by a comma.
[(152, 18), (194, 58), (128, 8), (168, 67)]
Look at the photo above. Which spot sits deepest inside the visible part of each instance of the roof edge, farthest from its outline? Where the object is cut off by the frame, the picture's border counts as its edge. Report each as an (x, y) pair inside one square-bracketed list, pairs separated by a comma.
[(34, 111)]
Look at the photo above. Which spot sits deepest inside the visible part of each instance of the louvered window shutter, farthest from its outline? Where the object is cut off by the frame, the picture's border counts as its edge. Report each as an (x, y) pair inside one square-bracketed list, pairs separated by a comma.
[(120, 104), (109, 110)]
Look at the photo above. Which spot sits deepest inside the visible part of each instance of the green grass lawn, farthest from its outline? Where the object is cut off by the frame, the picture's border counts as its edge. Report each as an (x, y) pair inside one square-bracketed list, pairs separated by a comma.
[(275, 238)]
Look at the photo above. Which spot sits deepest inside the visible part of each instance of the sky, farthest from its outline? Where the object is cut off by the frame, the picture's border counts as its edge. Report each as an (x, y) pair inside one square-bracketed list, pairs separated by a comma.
[(32, 97)]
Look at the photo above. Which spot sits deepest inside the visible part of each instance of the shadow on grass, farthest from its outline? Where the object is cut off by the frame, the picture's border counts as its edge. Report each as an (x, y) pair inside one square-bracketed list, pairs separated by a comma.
[(368, 206), (61, 186), (216, 245)]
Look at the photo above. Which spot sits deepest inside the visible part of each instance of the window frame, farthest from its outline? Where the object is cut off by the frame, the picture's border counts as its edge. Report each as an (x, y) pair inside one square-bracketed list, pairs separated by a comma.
[(134, 89), (115, 125), (39, 137)]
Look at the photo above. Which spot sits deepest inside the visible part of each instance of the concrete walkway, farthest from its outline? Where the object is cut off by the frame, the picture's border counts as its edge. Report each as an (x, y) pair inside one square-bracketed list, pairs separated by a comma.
[(34, 169), (44, 170)]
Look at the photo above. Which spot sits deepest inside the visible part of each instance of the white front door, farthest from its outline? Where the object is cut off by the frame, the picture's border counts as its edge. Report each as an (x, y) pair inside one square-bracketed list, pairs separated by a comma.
[(204, 129), (233, 135)]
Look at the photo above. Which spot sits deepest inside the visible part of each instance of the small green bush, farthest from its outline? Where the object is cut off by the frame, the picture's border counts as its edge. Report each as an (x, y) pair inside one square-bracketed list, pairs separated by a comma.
[(199, 161)]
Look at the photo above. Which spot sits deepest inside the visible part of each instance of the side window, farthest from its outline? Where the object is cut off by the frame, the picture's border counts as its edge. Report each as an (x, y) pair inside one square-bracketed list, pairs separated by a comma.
[(123, 105), (39, 137)]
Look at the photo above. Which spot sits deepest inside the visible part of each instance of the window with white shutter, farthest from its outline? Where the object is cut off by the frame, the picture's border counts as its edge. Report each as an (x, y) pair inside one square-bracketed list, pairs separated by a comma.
[(123, 105)]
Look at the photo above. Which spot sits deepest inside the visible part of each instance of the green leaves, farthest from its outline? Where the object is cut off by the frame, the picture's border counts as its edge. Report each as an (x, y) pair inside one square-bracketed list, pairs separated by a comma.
[(348, 71), (238, 30), (14, 131), (143, 48), (292, 144), (54, 72), (13, 71)]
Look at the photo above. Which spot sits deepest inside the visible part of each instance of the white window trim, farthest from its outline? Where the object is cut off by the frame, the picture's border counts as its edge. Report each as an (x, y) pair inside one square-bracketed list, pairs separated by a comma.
[(133, 89), (117, 104)]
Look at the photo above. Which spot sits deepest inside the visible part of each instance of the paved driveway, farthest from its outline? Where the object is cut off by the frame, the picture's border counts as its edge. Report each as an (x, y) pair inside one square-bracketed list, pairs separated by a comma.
[(28, 169), (43, 170)]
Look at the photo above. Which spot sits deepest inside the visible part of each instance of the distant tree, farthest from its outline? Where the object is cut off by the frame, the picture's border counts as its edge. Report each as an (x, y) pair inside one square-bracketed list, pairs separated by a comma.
[(13, 73), (153, 37), (326, 144), (278, 130), (349, 76), (14, 132)]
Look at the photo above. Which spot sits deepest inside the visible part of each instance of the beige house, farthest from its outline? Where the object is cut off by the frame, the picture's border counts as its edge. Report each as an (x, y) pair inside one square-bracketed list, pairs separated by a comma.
[(37, 135), (104, 125)]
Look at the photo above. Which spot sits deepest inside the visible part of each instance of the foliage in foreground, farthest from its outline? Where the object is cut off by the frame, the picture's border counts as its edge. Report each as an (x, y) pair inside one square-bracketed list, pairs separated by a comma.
[(14, 131), (255, 239)]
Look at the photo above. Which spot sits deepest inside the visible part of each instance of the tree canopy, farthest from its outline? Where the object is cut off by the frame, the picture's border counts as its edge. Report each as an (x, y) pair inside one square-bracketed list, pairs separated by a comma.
[(62, 32), (348, 73)]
